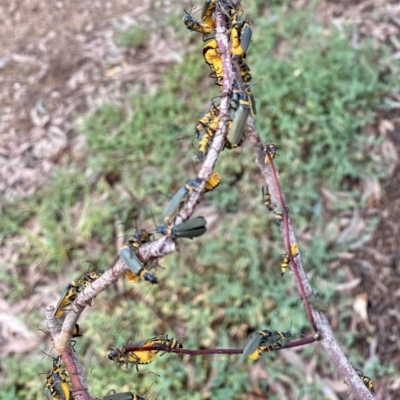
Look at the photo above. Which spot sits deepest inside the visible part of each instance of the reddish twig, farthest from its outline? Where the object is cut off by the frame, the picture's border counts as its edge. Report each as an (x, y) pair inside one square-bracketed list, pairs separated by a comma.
[(199, 352), (288, 244), (324, 330)]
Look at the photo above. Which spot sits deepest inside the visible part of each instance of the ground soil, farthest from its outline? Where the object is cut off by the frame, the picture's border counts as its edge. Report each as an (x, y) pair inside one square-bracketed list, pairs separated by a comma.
[(58, 59)]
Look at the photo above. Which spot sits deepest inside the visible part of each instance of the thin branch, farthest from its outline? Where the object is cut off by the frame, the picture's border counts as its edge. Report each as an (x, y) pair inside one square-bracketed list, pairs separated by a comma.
[(67, 355), (155, 249), (76, 375), (150, 251), (189, 352), (218, 141), (287, 228), (328, 341), (197, 352)]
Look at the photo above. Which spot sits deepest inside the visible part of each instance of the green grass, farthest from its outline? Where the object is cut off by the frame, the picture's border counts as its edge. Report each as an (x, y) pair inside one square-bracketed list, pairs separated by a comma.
[(315, 96)]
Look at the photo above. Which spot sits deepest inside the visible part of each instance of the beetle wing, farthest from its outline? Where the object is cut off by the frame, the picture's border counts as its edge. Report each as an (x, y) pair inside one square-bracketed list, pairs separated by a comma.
[(194, 227), (68, 296), (235, 134), (252, 343)]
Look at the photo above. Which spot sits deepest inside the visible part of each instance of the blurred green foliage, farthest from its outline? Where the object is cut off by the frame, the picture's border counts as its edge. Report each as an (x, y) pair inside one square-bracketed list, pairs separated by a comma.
[(315, 96)]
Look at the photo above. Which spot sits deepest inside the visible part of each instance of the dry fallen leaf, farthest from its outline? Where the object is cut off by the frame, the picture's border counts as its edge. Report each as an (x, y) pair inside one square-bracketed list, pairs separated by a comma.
[(360, 307)]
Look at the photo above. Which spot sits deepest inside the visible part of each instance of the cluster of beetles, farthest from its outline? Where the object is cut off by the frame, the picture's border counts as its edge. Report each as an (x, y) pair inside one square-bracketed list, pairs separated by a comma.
[(242, 105)]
